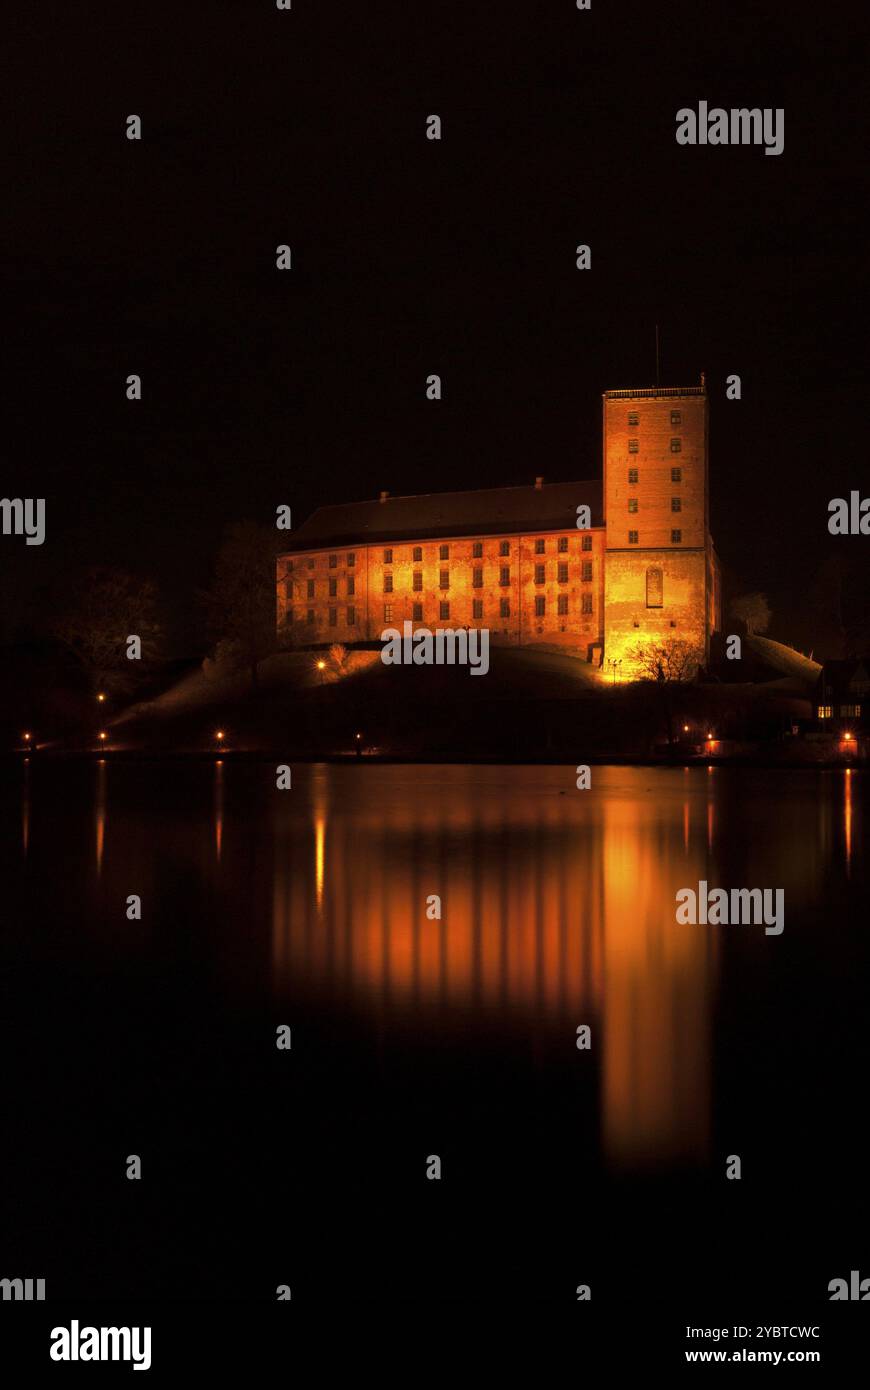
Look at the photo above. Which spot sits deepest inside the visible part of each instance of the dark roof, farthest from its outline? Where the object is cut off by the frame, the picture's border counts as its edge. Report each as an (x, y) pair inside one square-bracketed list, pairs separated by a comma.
[(490, 511), (841, 677)]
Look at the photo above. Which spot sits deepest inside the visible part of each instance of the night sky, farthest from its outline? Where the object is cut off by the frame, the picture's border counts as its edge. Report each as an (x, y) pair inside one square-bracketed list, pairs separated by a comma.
[(263, 127)]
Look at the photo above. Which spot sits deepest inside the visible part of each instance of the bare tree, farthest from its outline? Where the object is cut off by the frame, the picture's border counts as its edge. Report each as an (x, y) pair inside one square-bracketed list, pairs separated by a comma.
[(241, 601), (753, 610), (668, 662), (99, 611)]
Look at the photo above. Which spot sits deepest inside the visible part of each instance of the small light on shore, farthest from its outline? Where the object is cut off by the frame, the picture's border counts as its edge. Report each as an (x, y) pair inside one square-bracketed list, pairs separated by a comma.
[(27, 737), (101, 697), (103, 736), (321, 665), (685, 728), (358, 737), (220, 735)]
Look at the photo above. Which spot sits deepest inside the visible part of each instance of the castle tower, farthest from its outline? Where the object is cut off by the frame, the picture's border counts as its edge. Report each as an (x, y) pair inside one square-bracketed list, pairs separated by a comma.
[(660, 570)]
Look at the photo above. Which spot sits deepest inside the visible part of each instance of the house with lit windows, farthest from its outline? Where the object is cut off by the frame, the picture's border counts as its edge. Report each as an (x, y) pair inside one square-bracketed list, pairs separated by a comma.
[(596, 566), (842, 696)]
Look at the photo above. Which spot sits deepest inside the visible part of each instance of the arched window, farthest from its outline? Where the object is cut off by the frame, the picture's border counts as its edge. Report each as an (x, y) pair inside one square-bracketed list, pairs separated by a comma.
[(654, 588)]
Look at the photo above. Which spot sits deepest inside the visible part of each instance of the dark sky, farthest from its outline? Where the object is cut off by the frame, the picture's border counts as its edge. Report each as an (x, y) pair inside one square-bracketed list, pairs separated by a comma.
[(411, 257)]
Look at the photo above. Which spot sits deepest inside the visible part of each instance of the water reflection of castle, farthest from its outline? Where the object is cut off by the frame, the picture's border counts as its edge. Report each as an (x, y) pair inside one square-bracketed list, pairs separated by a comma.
[(555, 914)]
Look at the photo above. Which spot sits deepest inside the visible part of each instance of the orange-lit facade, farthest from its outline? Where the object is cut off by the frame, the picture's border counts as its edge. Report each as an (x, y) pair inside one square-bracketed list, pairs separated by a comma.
[(591, 567)]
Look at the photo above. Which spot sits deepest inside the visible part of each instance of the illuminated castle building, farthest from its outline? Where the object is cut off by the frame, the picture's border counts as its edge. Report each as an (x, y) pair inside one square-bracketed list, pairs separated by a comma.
[(514, 560)]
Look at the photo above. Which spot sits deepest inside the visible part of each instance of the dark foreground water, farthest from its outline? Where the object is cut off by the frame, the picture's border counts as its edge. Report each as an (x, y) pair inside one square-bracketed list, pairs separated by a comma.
[(414, 1037)]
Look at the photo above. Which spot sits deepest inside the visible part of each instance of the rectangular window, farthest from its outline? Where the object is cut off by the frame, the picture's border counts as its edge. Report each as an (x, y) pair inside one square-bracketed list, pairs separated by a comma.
[(445, 609), (351, 617), (388, 612), (632, 475), (504, 548), (676, 504), (417, 581), (850, 711), (562, 572), (504, 575), (311, 588), (632, 504), (633, 417), (477, 577), (477, 550), (824, 711), (333, 561), (333, 588), (444, 552), (444, 579), (676, 446), (388, 583), (563, 605), (676, 537), (676, 417), (540, 605), (563, 544), (632, 446), (540, 574), (417, 554), (632, 538), (333, 617), (388, 557), (417, 613), (351, 559), (586, 572), (586, 543), (351, 586), (477, 608), (586, 603), (676, 475), (504, 608), (539, 547)]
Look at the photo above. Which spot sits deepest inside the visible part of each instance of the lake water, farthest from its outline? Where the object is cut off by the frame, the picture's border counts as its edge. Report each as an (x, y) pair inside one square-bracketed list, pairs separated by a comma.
[(414, 1037)]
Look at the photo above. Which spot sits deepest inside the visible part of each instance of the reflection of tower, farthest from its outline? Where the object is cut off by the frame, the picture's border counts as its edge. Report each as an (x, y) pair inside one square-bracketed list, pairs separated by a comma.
[(100, 811), (656, 1070), (661, 573)]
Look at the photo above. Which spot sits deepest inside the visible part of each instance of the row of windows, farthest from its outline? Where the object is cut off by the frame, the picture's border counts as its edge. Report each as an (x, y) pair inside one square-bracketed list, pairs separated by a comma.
[(676, 475), (504, 548), (634, 417), (676, 504), (476, 578), (676, 446), (846, 712), (676, 537), (504, 609)]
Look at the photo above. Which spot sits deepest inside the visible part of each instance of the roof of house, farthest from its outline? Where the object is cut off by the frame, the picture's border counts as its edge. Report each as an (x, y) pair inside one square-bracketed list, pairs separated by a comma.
[(842, 676), (489, 511)]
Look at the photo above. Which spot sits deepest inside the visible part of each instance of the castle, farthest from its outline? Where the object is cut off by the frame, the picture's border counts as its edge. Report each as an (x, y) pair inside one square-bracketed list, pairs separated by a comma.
[(602, 567)]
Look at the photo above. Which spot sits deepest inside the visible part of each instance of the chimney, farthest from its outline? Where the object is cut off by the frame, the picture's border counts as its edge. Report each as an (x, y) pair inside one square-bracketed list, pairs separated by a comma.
[(539, 483), (383, 497)]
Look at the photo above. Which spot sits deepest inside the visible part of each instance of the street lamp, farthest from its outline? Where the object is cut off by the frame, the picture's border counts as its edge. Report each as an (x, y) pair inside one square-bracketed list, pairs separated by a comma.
[(102, 736), (219, 735), (100, 697), (321, 666)]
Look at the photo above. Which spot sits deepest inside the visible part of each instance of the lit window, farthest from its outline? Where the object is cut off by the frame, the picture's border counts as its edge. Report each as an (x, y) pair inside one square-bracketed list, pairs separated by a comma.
[(632, 538), (825, 711), (676, 446), (586, 571), (676, 537)]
